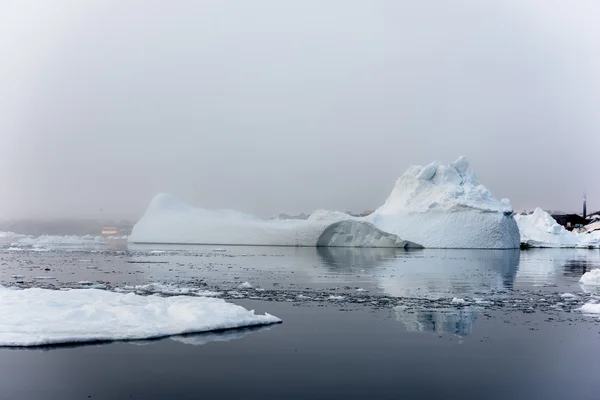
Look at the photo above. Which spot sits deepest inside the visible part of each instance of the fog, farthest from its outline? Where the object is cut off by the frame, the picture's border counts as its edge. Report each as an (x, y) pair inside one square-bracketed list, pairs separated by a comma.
[(290, 106)]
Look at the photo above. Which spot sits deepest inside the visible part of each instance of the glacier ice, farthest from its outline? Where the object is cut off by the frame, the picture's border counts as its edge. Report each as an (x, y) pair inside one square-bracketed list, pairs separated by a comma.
[(445, 206), (539, 229), (34, 317), (442, 206), (168, 220)]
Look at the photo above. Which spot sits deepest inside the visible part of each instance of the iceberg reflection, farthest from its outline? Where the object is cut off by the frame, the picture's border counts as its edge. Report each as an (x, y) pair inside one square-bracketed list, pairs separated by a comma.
[(457, 322)]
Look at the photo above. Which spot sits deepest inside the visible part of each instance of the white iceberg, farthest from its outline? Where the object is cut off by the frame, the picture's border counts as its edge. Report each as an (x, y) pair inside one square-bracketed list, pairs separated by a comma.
[(541, 230), (445, 206), (435, 206), (168, 220), (34, 317)]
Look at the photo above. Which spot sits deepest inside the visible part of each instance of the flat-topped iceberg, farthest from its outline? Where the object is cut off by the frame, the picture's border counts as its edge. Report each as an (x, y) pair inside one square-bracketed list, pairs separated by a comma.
[(35, 317), (539, 229), (445, 206), (434, 206), (168, 220)]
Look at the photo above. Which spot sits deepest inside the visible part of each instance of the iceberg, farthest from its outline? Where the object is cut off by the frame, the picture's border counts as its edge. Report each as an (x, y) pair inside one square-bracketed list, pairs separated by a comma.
[(445, 206), (168, 220), (541, 230), (36, 317), (435, 206)]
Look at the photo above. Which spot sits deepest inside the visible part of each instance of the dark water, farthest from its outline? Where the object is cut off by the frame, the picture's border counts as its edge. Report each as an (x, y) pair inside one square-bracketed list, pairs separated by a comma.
[(399, 336)]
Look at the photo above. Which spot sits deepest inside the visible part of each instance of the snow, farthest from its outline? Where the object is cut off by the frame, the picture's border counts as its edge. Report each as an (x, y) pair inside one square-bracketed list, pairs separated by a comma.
[(591, 278), (541, 230), (168, 220), (445, 206), (34, 317)]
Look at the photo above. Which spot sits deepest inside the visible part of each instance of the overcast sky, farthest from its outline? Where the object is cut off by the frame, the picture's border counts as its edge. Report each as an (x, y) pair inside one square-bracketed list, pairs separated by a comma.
[(290, 106)]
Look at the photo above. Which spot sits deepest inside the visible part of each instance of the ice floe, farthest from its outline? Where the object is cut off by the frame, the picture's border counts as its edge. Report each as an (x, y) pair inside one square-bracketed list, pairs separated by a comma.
[(34, 317)]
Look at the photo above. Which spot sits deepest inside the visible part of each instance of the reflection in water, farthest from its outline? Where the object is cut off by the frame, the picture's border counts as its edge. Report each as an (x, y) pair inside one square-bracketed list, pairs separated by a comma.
[(449, 273), (347, 258), (577, 267), (458, 322), (541, 267), (220, 336)]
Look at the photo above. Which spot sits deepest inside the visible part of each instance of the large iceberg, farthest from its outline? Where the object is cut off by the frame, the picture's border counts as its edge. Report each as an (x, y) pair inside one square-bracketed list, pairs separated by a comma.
[(435, 206), (34, 317), (541, 230), (445, 206), (168, 220)]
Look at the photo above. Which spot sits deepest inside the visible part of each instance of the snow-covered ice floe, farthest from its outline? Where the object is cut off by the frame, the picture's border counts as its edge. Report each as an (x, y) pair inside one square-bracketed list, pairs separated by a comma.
[(168, 220), (35, 317), (442, 206), (445, 206), (541, 230)]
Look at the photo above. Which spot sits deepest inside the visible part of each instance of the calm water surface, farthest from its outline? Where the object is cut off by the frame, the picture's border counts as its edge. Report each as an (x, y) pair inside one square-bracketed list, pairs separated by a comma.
[(358, 323)]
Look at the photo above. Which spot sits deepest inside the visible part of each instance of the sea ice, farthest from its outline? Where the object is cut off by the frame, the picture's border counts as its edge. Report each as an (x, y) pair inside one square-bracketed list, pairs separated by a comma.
[(33, 317), (541, 230)]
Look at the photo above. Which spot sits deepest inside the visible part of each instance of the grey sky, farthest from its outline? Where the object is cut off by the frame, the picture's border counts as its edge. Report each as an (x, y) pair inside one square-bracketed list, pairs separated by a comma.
[(289, 106)]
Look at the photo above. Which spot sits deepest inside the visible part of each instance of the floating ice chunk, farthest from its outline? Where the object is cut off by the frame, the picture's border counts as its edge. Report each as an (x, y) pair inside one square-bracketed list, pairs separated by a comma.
[(44, 277), (245, 285), (157, 252), (591, 278), (34, 317), (15, 249), (361, 290), (568, 296), (208, 293), (219, 249), (457, 300), (86, 283), (332, 297), (18, 276), (590, 308)]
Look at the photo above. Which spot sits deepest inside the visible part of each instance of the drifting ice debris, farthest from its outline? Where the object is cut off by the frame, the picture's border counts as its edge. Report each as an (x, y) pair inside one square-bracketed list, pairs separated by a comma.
[(541, 230), (245, 285), (34, 317)]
